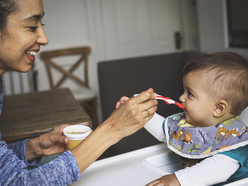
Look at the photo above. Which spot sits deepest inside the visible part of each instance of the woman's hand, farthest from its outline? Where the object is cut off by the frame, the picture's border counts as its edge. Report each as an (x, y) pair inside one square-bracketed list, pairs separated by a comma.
[(125, 98), (129, 117), (133, 113), (167, 180), (47, 144)]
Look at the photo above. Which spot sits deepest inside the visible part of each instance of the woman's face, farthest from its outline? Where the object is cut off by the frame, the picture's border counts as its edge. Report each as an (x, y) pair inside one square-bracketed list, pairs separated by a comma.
[(23, 36)]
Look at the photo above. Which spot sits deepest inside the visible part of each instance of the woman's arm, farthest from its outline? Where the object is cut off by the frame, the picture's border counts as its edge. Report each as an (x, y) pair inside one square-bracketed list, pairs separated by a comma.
[(61, 171), (47, 144), (19, 151), (126, 120)]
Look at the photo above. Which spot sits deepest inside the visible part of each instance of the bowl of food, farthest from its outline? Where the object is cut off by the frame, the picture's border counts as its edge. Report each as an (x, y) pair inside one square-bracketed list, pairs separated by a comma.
[(76, 134)]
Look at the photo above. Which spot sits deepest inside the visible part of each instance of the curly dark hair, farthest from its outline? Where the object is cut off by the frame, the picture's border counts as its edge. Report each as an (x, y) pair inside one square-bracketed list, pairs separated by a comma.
[(7, 7)]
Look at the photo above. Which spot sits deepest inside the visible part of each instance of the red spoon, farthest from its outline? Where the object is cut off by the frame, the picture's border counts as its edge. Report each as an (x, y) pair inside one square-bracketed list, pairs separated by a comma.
[(167, 100), (170, 101)]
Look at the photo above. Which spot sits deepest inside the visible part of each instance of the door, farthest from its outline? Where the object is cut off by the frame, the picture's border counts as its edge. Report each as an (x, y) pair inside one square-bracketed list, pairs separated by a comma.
[(140, 27)]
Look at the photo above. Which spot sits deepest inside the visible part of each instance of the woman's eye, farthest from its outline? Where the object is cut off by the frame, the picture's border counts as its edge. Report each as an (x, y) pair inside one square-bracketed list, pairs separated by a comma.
[(33, 28)]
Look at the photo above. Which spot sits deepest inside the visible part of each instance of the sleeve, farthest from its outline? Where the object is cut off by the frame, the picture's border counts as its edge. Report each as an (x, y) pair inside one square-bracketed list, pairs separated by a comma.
[(60, 171), (19, 151), (155, 127), (240, 154), (210, 171)]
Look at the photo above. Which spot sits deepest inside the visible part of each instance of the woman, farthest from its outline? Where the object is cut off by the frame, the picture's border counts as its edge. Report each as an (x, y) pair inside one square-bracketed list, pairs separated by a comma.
[(21, 36)]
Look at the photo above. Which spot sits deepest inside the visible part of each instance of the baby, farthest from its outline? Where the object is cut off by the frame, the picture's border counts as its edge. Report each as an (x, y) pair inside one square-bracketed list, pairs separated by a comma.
[(208, 137)]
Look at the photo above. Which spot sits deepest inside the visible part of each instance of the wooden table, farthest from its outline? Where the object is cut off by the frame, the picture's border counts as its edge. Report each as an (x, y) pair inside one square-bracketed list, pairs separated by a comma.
[(30, 115)]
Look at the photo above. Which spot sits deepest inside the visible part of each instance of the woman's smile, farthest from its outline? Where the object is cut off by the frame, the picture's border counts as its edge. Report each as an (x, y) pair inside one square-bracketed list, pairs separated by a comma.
[(31, 54), (22, 40)]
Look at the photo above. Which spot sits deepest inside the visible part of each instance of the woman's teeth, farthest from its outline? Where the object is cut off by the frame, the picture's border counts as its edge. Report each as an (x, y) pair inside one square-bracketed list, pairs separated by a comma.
[(33, 53)]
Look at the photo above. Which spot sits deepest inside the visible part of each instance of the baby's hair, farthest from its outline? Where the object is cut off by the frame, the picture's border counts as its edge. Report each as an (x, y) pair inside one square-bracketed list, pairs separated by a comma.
[(227, 73)]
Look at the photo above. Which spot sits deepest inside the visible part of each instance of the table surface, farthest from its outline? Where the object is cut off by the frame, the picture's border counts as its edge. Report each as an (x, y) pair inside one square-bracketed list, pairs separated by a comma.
[(30, 115)]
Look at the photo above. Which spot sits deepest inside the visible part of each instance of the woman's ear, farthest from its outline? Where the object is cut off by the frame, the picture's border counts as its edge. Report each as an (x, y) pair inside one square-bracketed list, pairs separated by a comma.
[(220, 108)]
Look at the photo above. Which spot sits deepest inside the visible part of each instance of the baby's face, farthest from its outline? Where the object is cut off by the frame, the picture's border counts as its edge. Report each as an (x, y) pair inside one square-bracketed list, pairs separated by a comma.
[(199, 105)]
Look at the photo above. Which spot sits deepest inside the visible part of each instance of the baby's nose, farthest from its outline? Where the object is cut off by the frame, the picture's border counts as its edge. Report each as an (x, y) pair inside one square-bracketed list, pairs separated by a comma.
[(181, 98)]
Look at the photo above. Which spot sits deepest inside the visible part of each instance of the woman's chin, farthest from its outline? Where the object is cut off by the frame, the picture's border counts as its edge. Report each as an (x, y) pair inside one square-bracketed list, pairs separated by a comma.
[(25, 69)]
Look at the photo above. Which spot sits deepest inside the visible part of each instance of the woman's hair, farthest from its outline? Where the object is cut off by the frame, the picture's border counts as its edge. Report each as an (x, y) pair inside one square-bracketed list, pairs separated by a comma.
[(7, 7), (227, 75)]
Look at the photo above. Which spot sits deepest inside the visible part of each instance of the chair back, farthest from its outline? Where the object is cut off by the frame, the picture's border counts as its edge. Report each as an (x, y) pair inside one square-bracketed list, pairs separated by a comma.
[(19, 83), (49, 57)]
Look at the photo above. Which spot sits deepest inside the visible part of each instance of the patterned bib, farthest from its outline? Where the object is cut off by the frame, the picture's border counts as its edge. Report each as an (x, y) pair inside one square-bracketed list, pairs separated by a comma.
[(200, 142)]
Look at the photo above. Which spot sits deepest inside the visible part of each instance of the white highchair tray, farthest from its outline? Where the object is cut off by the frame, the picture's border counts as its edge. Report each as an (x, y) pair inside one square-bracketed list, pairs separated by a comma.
[(163, 163), (136, 168), (168, 162)]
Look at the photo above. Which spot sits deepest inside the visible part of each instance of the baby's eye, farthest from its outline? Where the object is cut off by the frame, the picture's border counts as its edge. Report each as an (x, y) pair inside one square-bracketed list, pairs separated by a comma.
[(190, 94)]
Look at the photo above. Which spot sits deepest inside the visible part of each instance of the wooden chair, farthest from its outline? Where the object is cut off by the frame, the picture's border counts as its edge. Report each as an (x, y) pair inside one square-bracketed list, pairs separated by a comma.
[(68, 67), (19, 83)]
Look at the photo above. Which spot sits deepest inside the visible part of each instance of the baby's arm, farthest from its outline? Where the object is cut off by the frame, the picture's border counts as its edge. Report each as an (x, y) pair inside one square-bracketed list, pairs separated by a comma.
[(154, 126), (210, 171)]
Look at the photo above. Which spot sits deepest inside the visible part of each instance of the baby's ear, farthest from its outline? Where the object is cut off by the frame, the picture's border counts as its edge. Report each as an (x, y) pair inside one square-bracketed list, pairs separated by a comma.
[(220, 108)]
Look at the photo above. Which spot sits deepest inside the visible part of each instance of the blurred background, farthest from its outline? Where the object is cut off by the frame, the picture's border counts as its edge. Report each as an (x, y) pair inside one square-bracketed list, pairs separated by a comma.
[(116, 29)]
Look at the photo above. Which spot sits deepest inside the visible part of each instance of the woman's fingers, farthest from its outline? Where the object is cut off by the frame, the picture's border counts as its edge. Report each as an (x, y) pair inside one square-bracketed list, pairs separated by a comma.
[(133, 114), (143, 106), (151, 95), (147, 103), (59, 129), (144, 96), (150, 112)]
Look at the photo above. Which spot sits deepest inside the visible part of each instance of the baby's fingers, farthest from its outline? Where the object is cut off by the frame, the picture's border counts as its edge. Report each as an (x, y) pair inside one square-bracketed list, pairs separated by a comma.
[(122, 100), (153, 183)]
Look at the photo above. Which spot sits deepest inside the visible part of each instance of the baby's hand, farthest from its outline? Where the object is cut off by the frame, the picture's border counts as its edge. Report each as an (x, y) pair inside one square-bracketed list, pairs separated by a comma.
[(121, 101), (167, 180)]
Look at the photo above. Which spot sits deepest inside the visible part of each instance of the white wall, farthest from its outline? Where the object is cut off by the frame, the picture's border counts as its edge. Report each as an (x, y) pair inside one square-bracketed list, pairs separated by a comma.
[(213, 31)]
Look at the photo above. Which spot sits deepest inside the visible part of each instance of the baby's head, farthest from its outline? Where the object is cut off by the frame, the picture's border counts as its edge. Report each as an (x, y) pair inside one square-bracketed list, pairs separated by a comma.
[(222, 76)]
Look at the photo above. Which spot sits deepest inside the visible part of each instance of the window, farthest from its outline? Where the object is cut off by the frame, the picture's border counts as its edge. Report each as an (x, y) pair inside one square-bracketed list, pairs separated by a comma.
[(237, 15)]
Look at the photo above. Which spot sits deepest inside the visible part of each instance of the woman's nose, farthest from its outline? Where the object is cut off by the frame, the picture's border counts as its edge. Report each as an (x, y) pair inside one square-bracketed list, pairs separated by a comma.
[(42, 38)]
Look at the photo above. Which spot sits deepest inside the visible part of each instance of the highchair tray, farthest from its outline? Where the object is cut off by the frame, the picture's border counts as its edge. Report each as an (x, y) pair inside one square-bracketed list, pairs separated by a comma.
[(136, 168)]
